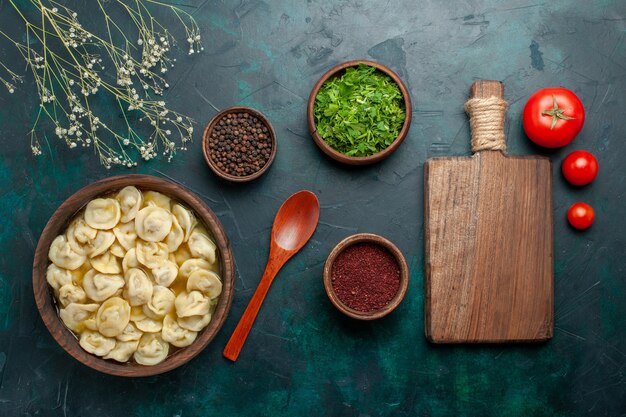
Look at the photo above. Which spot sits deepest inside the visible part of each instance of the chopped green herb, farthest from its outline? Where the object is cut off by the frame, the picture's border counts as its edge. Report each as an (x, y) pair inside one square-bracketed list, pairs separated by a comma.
[(359, 113)]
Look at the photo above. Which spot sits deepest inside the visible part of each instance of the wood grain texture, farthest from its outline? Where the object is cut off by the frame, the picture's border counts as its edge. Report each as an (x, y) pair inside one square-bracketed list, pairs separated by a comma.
[(339, 70), (294, 224), (57, 225), (489, 246), (377, 240)]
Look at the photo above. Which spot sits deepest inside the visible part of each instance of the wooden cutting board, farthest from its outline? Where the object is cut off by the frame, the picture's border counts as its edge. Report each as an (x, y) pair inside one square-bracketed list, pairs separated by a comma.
[(488, 243)]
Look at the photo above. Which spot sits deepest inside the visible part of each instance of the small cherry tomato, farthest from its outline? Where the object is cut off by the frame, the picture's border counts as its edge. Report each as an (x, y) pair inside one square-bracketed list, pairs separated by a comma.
[(553, 117), (580, 167), (581, 215)]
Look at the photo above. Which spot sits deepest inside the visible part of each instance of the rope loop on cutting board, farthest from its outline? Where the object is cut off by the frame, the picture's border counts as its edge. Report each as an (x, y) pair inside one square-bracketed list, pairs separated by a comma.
[(487, 123)]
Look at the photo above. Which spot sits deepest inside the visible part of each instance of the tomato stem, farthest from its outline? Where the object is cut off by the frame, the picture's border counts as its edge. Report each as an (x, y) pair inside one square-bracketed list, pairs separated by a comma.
[(556, 113)]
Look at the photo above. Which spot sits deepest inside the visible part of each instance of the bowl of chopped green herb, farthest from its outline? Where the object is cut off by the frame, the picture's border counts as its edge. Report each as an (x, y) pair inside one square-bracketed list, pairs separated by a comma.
[(359, 112)]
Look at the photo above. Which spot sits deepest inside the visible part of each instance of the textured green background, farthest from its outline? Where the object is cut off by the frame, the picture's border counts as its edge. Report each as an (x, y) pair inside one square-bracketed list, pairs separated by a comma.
[(302, 357)]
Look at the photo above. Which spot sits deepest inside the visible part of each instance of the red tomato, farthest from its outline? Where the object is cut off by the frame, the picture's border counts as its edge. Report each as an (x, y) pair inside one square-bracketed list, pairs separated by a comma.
[(580, 167), (581, 215), (553, 117)]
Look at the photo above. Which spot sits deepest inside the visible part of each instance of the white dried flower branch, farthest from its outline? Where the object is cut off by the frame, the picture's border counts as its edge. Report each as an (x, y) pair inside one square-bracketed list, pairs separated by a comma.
[(11, 79), (67, 62)]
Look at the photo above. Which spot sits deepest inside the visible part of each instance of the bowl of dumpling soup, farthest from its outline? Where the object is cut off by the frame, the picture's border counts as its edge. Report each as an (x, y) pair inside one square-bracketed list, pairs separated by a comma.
[(133, 275)]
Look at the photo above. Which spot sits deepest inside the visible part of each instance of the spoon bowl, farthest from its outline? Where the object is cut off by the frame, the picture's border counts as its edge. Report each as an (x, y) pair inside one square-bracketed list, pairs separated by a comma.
[(294, 225), (296, 221)]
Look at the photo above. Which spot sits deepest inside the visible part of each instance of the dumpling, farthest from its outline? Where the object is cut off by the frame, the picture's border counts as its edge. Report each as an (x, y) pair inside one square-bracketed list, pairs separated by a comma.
[(99, 287), (130, 260), (130, 199), (136, 313), (103, 241), (138, 287), (201, 246), (192, 303), (126, 235), (155, 198), (74, 315), (58, 277), (117, 250), (95, 343), (175, 237), (87, 241), (130, 333), (185, 218), (191, 265), (113, 316), (151, 254), (107, 263), (182, 254), (206, 282), (172, 259), (123, 350), (176, 335), (70, 293), (90, 324), (79, 235), (165, 274), (62, 255), (149, 325), (78, 274), (153, 223), (103, 213), (151, 350), (195, 323), (162, 302)]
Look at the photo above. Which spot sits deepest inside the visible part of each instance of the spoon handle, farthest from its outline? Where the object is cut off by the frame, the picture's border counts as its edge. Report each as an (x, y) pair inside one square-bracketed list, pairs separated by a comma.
[(238, 338)]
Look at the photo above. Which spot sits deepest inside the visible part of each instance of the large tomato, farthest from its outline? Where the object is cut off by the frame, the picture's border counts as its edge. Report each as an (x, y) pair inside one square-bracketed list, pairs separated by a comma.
[(553, 117)]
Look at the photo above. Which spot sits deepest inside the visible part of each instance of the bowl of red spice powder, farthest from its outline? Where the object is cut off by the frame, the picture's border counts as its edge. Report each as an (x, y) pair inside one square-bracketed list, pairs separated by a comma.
[(366, 276)]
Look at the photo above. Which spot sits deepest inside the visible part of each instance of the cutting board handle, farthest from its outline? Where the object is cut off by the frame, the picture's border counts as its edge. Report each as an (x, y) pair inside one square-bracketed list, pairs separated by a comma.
[(487, 109)]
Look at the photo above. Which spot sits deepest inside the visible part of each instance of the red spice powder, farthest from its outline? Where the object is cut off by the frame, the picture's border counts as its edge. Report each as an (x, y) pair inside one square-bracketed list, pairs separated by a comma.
[(365, 276)]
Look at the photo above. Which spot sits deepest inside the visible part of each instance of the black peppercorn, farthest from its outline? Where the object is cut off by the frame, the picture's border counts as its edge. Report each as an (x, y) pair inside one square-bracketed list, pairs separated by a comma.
[(240, 144)]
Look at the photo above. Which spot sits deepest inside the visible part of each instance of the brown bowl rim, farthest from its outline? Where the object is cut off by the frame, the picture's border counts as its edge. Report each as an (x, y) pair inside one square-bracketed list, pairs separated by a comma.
[(359, 160), (58, 222), (368, 238), (209, 129)]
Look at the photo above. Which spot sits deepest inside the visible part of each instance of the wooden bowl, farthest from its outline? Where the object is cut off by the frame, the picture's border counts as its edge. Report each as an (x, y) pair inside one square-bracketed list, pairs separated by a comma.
[(336, 71), (377, 240), (208, 130), (58, 223)]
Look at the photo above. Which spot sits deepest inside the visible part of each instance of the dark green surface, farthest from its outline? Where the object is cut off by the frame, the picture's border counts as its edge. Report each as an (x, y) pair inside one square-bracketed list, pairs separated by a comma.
[(302, 357)]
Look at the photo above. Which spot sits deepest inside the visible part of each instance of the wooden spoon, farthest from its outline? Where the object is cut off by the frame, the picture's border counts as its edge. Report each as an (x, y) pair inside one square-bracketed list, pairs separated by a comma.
[(294, 225)]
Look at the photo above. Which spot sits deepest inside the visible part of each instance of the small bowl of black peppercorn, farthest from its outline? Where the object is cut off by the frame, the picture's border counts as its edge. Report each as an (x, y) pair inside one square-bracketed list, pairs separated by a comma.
[(239, 144)]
